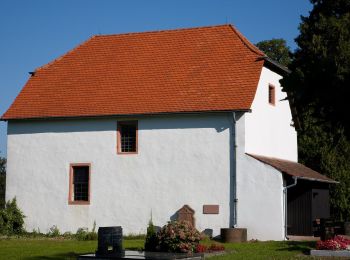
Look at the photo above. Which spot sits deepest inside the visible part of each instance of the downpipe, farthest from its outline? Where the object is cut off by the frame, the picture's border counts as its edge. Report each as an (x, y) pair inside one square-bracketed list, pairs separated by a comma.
[(285, 206), (234, 171)]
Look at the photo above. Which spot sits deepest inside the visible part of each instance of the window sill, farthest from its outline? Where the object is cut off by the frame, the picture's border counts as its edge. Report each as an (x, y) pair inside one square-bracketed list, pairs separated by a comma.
[(78, 202), (127, 152)]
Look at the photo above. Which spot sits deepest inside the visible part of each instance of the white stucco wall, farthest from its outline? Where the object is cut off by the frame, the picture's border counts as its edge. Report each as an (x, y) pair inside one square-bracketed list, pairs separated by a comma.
[(259, 194), (181, 160), (260, 200), (268, 128)]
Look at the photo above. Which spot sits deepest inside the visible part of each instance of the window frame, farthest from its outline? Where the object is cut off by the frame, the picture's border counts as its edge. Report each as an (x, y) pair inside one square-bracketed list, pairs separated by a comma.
[(272, 93), (71, 200), (119, 126)]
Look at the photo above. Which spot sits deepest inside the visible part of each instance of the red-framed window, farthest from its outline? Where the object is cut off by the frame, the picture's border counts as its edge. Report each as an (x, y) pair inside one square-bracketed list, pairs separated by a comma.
[(272, 95), (127, 137), (79, 184)]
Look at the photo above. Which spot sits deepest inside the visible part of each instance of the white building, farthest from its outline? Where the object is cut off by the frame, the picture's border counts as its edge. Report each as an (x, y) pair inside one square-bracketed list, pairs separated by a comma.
[(127, 125)]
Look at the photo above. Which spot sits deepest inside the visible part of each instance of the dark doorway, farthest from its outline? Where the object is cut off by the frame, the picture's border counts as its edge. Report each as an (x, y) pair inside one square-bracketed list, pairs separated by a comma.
[(306, 202)]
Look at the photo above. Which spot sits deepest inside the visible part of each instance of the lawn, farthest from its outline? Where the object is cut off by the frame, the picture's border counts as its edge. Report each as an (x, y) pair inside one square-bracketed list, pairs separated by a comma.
[(52, 248), (69, 249), (267, 250)]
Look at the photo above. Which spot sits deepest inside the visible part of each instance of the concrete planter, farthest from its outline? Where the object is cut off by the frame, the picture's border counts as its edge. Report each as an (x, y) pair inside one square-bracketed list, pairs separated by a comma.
[(331, 253)]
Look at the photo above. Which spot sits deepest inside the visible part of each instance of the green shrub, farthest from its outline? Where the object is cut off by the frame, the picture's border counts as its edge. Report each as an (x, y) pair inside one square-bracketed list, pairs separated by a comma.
[(68, 235), (151, 242), (35, 233), (54, 231), (11, 219), (2, 181), (178, 236), (81, 234), (84, 234)]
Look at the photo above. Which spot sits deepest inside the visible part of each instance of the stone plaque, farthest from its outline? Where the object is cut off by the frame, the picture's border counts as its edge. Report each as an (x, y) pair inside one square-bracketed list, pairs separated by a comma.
[(186, 214), (210, 209), (110, 241)]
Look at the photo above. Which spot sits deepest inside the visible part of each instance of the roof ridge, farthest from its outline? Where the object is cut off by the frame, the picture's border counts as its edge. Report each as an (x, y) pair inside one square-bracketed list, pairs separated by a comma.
[(64, 54), (246, 42), (165, 30)]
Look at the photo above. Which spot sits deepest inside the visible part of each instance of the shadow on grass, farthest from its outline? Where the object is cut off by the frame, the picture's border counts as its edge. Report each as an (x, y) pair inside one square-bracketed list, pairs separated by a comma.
[(68, 255), (301, 246)]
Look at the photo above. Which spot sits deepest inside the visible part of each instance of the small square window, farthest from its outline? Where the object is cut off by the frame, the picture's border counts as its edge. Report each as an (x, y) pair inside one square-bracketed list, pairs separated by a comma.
[(79, 184), (272, 95), (127, 137)]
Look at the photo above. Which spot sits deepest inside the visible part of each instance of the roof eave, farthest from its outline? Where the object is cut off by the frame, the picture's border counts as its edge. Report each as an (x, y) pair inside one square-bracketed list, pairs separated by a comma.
[(283, 171), (313, 179), (275, 66), (123, 115)]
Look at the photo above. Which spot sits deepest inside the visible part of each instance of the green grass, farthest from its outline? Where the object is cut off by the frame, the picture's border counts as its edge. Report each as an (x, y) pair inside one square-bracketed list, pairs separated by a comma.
[(267, 250), (52, 248), (44, 248)]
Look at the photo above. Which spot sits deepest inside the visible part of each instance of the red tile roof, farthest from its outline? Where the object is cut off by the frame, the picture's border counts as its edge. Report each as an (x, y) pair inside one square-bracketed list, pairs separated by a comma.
[(186, 70), (293, 168)]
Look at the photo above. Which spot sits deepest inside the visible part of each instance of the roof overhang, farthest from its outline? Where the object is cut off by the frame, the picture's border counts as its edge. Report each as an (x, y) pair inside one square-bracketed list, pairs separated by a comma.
[(313, 179), (275, 66), (125, 115), (293, 169)]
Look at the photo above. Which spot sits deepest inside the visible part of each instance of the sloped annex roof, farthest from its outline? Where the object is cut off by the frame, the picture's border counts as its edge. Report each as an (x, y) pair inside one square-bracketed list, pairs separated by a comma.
[(293, 169), (186, 70)]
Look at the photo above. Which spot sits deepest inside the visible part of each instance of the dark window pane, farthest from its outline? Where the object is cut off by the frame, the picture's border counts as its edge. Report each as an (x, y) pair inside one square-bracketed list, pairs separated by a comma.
[(81, 174), (81, 183), (271, 95), (128, 138)]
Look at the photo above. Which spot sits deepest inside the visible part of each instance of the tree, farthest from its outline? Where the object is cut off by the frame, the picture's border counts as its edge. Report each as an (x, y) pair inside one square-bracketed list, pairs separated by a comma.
[(2, 181), (327, 151), (2, 166), (320, 75), (319, 84), (277, 50)]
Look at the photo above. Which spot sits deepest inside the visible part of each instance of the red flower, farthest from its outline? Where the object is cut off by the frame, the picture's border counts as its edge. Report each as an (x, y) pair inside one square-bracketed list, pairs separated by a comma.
[(201, 248), (212, 248), (338, 243), (216, 247)]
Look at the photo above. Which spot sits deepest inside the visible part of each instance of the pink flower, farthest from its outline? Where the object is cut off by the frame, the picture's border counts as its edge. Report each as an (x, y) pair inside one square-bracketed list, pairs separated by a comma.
[(338, 243)]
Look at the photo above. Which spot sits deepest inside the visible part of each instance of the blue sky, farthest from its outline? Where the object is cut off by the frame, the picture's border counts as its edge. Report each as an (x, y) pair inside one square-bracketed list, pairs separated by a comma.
[(34, 32)]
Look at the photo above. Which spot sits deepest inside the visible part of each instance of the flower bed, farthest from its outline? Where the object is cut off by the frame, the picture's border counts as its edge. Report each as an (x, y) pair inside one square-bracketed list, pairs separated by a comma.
[(337, 243), (209, 249)]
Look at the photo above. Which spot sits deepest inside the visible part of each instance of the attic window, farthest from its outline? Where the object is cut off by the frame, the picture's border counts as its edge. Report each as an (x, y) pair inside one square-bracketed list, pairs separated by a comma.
[(272, 95), (127, 137)]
